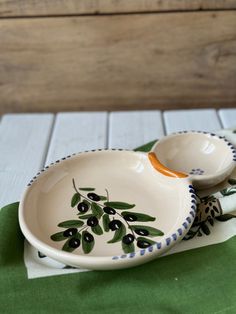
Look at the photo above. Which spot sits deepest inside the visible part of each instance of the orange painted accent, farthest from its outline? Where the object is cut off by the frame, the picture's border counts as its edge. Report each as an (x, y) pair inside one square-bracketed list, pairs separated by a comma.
[(164, 170)]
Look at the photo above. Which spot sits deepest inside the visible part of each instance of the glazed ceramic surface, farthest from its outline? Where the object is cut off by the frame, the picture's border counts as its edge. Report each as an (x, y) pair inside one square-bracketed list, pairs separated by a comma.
[(130, 213), (207, 158)]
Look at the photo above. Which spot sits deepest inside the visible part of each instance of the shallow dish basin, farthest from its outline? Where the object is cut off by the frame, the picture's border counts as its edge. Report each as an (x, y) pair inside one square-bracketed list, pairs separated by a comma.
[(106, 209)]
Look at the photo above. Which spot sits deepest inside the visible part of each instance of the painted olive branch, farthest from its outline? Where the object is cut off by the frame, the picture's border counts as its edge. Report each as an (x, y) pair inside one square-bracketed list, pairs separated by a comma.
[(105, 209), (84, 227), (107, 195), (102, 205), (86, 198)]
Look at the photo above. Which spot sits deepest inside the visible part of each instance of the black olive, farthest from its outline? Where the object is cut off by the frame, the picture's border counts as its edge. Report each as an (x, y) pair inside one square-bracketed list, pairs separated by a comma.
[(82, 207), (114, 224), (130, 217), (69, 232), (109, 210), (92, 221), (142, 232), (74, 243), (143, 244), (94, 197), (128, 239), (88, 237)]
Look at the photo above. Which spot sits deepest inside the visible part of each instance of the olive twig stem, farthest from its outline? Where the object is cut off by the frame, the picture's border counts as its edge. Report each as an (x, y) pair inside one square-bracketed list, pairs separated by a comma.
[(102, 205), (107, 195), (76, 190), (86, 198), (84, 227), (73, 181)]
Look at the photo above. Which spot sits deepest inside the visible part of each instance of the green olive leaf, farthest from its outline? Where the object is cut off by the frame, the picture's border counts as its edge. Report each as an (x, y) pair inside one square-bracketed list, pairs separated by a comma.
[(145, 148), (75, 199), (97, 210), (128, 248), (103, 198), (71, 223), (119, 205), (119, 234), (225, 217), (140, 217), (211, 221), (153, 232), (87, 246), (85, 216), (228, 191), (224, 192), (205, 228), (97, 230), (58, 236), (87, 189), (105, 222)]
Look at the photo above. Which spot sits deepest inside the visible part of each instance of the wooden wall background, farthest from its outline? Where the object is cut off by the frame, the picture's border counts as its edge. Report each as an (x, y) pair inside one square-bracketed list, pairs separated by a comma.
[(117, 54)]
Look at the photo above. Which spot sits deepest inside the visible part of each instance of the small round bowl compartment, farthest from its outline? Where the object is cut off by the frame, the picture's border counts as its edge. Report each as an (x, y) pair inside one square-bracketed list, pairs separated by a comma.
[(206, 157)]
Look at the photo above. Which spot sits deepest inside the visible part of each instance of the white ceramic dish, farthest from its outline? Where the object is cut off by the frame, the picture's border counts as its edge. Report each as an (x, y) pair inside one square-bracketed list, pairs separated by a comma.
[(207, 158), (167, 203)]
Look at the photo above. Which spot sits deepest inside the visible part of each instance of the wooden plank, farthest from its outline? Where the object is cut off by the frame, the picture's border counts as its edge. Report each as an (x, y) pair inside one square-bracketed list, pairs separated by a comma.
[(118, 62), (23, 145), (228, 117), (132, 129), (75, 132), (202, 120), (66, 7)]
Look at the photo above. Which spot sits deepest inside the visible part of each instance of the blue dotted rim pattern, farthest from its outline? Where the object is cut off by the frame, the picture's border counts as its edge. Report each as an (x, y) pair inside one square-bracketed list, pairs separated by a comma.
[(230, 145), (170, 239), (70, 156), (158, 245), (121, 149)]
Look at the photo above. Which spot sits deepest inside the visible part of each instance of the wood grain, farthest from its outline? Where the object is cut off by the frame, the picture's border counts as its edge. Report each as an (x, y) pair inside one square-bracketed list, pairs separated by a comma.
[(120, 62), (75, 7)]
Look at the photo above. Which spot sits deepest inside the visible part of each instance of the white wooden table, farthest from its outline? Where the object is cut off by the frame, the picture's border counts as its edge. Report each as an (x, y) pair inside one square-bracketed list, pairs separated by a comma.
[(29, 141)]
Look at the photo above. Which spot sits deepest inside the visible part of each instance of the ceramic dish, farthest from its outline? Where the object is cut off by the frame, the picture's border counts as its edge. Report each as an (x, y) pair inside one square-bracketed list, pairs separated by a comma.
[(106, 209), (207, 158)]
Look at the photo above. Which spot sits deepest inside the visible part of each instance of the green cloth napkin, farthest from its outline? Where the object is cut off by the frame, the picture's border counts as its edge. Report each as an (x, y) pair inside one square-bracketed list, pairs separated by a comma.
[(201, 280)]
